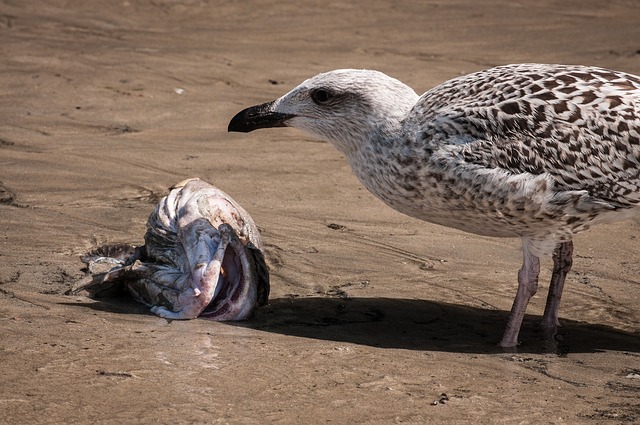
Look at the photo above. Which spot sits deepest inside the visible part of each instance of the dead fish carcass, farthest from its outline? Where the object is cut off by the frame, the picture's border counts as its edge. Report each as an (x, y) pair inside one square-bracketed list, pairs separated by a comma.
[(202, 257)]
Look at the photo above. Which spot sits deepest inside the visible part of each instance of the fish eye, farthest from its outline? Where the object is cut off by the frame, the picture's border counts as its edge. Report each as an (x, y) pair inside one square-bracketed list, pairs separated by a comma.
[(321, 96)]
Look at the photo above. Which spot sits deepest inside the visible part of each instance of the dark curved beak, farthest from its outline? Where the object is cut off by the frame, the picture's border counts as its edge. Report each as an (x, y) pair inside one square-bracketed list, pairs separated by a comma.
[(259, 116)]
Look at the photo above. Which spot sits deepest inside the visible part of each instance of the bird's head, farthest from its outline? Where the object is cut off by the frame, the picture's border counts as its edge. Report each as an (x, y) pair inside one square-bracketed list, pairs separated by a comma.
[(346, 107)]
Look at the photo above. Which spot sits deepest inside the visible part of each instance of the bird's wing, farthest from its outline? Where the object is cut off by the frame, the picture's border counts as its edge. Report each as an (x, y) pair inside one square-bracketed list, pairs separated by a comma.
[(580, 125)]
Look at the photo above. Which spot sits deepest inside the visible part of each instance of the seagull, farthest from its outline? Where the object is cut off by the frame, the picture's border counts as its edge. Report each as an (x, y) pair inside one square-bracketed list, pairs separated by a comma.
[(535, 151)]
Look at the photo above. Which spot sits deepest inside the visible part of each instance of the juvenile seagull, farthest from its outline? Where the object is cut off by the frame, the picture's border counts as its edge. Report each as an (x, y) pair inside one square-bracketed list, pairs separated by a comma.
[(534, 151)]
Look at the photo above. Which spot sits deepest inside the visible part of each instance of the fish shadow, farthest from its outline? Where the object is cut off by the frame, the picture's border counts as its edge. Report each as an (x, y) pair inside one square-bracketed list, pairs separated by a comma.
[(117, 301), (425, 325)]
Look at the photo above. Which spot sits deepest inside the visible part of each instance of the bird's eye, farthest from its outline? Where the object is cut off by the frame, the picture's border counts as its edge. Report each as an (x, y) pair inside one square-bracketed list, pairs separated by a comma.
[(320, 96)]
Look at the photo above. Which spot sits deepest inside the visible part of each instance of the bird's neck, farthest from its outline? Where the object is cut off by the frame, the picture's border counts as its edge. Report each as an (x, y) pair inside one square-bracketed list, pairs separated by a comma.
[(377, 161), (362, 140)]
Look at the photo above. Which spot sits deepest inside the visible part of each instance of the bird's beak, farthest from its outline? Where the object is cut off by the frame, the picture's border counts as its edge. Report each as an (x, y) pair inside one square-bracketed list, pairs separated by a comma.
[(259, 116)]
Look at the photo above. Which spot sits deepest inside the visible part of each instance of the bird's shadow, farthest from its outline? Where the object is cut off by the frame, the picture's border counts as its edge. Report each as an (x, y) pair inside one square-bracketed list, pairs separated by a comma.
[(410, 324), (428, 326)]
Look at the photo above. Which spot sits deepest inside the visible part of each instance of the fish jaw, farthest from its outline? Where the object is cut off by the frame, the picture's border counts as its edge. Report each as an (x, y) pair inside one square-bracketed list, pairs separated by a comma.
[(222, 285), (236, 291), (205, 248)]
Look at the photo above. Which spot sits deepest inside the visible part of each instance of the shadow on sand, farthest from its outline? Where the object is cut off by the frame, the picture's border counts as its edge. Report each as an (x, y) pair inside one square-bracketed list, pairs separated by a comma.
[(411, 325), (425, 325)]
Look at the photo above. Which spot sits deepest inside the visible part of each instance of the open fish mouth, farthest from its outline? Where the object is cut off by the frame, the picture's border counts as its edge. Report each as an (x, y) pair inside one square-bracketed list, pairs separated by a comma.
[(236, 283), (228, 286), (202, 258)]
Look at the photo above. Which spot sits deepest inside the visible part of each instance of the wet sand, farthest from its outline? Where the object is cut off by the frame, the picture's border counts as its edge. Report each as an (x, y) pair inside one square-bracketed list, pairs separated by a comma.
[(374, 317)]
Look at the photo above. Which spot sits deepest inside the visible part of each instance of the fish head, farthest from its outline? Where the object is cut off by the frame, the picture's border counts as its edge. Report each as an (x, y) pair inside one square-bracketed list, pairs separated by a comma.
[(202, 258), (215, 251)]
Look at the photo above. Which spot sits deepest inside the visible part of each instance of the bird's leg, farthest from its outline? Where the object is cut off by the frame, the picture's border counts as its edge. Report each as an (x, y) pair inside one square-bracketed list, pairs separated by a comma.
[(562, 261), (527, 287)]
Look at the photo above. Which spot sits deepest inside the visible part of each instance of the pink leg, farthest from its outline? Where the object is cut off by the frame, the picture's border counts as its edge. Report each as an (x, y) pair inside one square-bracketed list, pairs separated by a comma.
[(562, 261), (527, 287)]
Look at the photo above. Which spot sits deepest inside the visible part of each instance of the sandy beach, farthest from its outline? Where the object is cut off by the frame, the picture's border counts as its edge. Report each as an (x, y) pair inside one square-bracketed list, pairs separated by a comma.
[(374, 317)]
